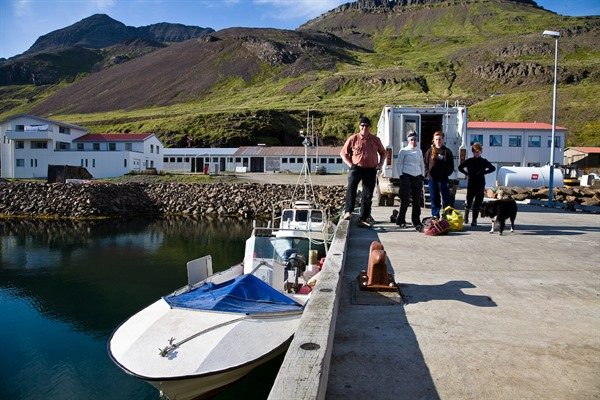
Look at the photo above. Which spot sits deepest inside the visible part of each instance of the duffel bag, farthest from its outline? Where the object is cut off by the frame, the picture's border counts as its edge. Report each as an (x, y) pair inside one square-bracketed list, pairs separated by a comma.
[(435, 227)]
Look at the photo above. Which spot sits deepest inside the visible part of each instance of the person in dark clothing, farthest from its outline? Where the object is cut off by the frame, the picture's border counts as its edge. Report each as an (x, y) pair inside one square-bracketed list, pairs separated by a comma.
[(439, 165), (475, 168), (364, 154)]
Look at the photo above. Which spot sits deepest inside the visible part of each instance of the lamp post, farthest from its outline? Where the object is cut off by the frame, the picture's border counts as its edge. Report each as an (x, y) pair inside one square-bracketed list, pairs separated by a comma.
[(555, 35)]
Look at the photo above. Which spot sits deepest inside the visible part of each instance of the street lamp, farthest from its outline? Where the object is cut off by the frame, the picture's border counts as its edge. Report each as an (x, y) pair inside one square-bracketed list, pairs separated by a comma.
[(555, 35)]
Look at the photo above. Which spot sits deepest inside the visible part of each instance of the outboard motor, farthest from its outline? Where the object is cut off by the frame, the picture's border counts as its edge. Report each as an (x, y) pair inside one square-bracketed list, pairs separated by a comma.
[(294, 261)]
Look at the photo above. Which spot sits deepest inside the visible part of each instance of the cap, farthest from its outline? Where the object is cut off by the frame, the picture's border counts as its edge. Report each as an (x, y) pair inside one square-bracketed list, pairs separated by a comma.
[(364, 120)]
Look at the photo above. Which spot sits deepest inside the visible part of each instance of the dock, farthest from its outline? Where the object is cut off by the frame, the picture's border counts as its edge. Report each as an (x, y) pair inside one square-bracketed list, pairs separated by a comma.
[(476, 316)]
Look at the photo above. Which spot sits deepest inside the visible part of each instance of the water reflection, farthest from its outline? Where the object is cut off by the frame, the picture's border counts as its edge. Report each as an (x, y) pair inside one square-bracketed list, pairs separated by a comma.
[(66, 285)]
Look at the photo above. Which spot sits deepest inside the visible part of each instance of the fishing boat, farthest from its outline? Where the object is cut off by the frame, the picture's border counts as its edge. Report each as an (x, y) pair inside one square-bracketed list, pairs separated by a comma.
[(218, 327)]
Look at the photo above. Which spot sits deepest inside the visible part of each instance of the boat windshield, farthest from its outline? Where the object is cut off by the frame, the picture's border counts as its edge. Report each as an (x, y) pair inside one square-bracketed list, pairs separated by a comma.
[(275, 247)]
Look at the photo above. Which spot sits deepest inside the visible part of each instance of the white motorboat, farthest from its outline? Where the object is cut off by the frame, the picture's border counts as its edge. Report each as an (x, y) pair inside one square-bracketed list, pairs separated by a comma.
[(218, 327)]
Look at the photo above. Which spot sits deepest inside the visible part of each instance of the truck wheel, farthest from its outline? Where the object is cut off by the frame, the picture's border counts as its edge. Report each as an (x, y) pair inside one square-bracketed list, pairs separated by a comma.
[(389, 200), (378, 198)]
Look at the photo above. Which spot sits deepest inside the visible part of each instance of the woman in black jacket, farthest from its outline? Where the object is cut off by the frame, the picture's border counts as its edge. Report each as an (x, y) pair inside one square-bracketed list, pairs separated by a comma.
[(439, 165), (475, 168)]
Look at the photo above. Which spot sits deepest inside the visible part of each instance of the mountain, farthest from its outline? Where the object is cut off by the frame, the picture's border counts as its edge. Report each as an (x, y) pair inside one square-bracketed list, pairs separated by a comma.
[(100, 31), (92, 44), (243, 86)]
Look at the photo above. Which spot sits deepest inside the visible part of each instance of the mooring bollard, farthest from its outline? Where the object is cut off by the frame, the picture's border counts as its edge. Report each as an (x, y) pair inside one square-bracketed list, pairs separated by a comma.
[(376, 277)]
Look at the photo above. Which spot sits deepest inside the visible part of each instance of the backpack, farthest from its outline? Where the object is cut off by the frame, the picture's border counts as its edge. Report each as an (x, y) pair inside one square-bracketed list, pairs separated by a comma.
[(454, 218), (435, 227)]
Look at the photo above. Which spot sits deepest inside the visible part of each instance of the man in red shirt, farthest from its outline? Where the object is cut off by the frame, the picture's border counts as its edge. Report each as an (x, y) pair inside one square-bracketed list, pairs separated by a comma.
[(364, 154)]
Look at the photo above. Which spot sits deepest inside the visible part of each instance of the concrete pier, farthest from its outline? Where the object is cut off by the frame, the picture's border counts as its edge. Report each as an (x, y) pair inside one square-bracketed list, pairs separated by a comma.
[(479, 316)]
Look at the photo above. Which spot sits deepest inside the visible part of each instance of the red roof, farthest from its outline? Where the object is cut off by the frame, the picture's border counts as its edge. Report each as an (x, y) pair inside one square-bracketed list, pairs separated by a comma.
[(114, 137), (512, 125), (587, 150)]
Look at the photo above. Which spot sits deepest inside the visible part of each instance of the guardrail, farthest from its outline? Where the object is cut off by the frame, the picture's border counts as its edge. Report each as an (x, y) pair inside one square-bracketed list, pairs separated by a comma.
[(305, 369)]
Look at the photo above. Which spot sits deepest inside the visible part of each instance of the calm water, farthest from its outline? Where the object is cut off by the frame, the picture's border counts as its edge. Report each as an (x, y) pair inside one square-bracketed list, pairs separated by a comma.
[(65, 286)]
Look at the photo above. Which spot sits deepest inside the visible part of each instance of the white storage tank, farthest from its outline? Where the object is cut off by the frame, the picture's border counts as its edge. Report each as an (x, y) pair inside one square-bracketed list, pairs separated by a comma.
[(533, 177)]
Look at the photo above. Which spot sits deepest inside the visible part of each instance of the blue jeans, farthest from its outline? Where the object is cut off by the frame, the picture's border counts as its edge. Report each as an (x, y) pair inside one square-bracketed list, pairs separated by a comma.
[(437, 187)]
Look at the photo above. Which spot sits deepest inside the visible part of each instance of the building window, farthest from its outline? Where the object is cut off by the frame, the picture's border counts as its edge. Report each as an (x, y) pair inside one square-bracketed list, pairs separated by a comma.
[(179, 159), (20, 128), (96, 146), (33, 162), (82, 162), (476, 138), (514, 140), (93, 163), (151, 148), (215, 159), (238, 159), (172, 159), (128, 146), (20, 162), (151, 163), (165, 159), (86, 162), (323, 160), (125, 163), (39, 144), (80, 146), (65, 130), (534, 141), (556, 142), (187, 159), (331, 160), (19, 144), (62, 146), (230, 159), (157, 149), (495, 140), (284, 160), (314, 160), (112, 146), (338, 161)]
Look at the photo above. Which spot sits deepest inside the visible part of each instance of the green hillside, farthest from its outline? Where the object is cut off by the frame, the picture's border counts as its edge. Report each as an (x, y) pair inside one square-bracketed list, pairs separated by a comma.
[(487, 54)]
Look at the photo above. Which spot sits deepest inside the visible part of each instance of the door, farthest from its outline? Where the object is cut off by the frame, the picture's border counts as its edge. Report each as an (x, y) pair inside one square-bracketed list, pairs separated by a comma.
[(257, 164)]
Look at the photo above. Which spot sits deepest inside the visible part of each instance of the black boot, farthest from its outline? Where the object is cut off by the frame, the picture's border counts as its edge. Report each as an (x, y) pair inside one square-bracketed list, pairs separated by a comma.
[(466, 216), (475, 215)]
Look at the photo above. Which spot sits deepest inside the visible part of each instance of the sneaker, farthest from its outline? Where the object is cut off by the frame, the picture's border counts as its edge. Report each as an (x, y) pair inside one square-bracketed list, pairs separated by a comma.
[(362, 224), (370, 220), (347, 216), (419, 228), (401, 224)]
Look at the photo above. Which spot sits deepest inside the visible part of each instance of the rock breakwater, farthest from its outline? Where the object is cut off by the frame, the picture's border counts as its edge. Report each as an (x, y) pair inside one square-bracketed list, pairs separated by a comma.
[(96, 200)]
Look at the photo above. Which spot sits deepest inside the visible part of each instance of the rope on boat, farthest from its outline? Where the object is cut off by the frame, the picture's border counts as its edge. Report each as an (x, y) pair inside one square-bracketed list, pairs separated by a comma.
[(172, 346)]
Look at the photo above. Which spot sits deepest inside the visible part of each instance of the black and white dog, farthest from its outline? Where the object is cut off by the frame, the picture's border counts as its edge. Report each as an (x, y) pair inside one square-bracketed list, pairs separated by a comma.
[(499, 211)]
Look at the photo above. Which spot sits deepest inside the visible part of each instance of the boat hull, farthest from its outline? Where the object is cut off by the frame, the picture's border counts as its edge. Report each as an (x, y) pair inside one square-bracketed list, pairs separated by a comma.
[(193, 388)]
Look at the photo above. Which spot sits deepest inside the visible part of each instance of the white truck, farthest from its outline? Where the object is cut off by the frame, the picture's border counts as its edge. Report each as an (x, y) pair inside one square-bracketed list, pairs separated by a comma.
[(394, 124)]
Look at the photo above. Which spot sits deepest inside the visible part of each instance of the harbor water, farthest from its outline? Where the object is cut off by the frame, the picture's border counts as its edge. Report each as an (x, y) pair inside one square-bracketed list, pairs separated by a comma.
[(66, 285)]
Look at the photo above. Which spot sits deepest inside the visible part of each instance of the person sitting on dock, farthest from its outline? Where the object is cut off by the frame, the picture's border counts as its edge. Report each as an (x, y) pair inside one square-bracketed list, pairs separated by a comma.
[(364, 154)]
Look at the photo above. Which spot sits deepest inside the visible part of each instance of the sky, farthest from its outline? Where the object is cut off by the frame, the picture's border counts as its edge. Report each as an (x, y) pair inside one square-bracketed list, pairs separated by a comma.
[(23, 21)]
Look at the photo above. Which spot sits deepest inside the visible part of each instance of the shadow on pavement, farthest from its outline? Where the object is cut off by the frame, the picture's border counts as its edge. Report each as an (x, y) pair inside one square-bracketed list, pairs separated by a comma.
[(452, 290), (376, 354)]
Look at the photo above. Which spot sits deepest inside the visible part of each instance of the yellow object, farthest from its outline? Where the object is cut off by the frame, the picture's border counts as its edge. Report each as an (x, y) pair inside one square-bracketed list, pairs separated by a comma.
[(454, 218)]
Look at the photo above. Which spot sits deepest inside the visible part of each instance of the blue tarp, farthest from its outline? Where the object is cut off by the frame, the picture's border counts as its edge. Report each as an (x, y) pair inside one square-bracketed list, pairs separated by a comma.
[(244, 294)]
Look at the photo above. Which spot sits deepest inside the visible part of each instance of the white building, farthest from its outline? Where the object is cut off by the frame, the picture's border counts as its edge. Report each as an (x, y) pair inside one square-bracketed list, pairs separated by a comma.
[(197, 159), (254, 159), (522, 144), (28, 144)]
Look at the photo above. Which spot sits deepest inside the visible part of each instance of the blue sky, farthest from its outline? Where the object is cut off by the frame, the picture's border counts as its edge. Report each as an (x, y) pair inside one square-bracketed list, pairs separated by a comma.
[(23, 21)]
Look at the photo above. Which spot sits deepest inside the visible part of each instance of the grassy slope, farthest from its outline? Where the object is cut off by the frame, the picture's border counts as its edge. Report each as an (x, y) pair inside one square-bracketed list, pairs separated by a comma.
[(433, 48)]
